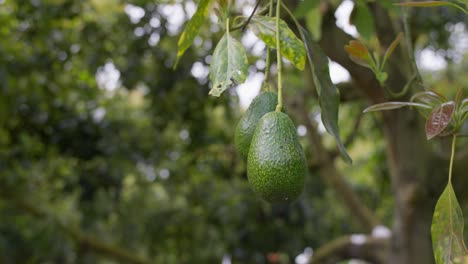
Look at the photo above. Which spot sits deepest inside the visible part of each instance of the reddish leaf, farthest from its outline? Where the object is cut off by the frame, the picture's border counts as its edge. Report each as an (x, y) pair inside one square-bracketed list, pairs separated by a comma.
[(439, 119), (359, 53)]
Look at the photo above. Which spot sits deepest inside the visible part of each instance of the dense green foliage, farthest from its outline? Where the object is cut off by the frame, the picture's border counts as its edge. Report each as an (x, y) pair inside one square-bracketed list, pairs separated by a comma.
[(276, 165), (94, 169), (149, 167)]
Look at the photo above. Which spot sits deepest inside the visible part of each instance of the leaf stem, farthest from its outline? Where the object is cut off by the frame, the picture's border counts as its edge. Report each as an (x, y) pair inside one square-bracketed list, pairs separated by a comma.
[(227, 25), (268, 56), (452, 157), (409, 47), (279, 107)]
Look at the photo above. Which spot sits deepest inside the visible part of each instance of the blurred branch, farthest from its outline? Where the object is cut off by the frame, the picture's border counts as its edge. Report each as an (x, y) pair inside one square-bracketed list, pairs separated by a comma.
[(332, 176), (352, 136), (91, 242), (357, 123), (332, 42), (367, 248), (348, 91)]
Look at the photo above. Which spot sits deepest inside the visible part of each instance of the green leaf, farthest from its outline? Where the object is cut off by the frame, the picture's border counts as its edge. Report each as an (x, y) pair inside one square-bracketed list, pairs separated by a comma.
[(425, 3), (314, 22), (229, 65), (463, 110), (363, 20), (329, 97), (192, 28), (447, 229), (439, 119), (435, 4), (391, 48), (393, 105), (292, 47)]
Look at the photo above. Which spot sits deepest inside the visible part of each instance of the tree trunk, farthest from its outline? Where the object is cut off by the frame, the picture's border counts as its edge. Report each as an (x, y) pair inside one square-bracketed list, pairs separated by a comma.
[(410, 169), (413, 168)]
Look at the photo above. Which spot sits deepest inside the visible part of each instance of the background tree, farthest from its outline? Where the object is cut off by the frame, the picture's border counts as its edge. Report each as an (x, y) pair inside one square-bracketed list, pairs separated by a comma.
[(108, 154)]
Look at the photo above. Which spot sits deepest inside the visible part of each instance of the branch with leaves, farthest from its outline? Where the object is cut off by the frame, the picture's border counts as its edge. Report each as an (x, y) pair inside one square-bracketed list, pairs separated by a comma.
[(89, 241)]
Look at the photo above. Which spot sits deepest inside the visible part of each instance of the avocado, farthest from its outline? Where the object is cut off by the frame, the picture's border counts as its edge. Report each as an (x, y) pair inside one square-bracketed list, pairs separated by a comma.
[(263, 103), (276, 164)]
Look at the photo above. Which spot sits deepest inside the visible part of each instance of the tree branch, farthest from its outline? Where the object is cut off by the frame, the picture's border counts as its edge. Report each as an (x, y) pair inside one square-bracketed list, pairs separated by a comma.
[(367, 248), (331, 175), (89, 241), (348, 91)]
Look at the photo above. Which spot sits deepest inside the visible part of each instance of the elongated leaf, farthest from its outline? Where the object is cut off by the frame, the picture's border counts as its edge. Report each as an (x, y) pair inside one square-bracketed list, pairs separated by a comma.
[(458, 96), (439, 119), (463, 109), (329, 97), (229, 65), (425, 3), (392, 105), (435, 4), (192, 28), (391, 48), (292, 47), (428, 97), (447, 229)]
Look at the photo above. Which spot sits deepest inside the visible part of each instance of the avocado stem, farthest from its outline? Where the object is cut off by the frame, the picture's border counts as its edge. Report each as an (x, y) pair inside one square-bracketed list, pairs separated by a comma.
[(452, 157), (268, 55), (278, 58)]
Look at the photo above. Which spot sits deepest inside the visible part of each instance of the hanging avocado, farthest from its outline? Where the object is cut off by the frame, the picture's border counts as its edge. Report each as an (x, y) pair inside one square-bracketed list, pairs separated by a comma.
[(276, 165)]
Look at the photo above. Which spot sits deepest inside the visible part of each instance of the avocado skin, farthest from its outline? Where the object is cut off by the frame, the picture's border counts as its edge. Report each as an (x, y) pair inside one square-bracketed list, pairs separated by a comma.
[(263, 103), (276, 164)]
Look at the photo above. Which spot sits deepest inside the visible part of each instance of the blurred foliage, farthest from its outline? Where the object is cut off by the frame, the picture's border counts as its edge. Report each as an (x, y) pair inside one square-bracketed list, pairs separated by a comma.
[(148, 166)]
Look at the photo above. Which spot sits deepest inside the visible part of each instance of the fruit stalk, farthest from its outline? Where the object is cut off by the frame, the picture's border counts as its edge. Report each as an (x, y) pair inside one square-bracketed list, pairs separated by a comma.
[(278, 58), (452, 156), (268, 56)]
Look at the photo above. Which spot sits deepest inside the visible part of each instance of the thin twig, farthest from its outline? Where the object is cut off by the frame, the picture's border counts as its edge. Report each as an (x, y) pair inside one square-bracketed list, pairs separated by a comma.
[(243, 25), (352, 136), (251, 15)]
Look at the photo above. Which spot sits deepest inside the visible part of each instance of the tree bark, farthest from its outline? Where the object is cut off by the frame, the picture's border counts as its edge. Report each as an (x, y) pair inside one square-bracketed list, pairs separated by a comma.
[(409, 156)]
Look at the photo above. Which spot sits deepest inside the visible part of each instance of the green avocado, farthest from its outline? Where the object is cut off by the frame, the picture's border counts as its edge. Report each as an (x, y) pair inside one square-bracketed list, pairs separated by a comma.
[(276, 164), (263, 103)]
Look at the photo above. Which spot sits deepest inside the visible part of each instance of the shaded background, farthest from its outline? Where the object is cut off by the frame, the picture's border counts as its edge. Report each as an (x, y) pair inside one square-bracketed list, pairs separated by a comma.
[(108, 155)]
